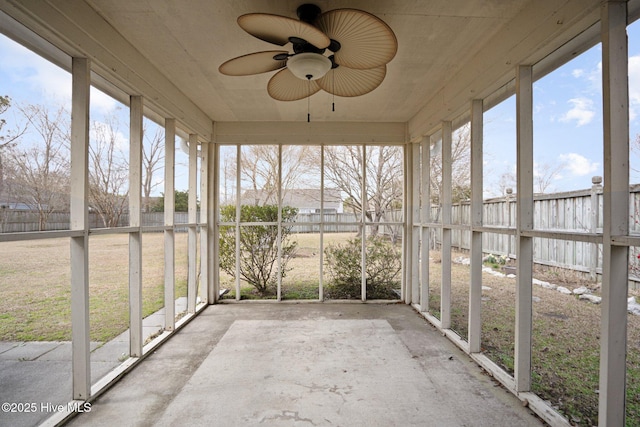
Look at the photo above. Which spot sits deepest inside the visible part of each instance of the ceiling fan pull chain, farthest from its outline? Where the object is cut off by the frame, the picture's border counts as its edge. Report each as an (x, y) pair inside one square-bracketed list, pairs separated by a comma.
[(333, 91), (309, 100)]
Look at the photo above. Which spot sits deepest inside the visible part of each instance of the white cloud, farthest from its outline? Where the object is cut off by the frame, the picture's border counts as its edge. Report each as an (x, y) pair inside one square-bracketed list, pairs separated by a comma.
[(47, 82), (582, 111), (577, 73), (38, 75), (102, 102), (106, 132), (578, 165)]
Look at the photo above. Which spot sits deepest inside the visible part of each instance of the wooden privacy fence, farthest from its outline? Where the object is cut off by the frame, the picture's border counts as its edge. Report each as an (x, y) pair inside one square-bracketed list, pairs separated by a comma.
[(575, 211), (25, 221)]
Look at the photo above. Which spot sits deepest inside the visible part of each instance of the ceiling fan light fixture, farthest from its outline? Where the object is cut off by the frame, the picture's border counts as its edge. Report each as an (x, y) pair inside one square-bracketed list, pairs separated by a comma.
[(309, 66)]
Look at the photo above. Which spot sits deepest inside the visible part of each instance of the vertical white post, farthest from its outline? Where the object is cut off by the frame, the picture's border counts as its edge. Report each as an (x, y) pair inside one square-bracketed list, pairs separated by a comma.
[(214, 197), (192, 237), (613, 335), (415, 226), (79, 217), (169, 236), (408, 257), (596, 189), (475, 287), (135, 220), (363, 224), (445, 293), (508, 209), (322, 187), (238, 210), (279, 236), (524, 206), (205, 271), (425, 243)]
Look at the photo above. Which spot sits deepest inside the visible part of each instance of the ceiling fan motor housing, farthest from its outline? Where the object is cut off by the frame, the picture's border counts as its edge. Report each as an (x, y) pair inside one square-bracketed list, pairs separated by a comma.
[(308, 13)]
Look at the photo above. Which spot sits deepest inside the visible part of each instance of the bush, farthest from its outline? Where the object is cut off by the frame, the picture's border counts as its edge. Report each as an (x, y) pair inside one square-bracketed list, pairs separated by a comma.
[(258, 245), (344, 265)]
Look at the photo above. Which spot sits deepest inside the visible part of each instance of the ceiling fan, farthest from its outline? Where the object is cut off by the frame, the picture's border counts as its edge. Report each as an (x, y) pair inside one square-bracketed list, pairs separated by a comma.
[(359, 46)]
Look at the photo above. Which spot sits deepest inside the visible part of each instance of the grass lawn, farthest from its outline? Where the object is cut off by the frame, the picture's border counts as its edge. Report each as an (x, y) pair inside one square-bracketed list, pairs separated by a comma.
[(566, 333), (36, 294), (35, 305)]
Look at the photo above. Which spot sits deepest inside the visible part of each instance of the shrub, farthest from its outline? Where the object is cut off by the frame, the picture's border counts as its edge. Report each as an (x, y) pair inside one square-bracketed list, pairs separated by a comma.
[(344, 265), (258, 245)]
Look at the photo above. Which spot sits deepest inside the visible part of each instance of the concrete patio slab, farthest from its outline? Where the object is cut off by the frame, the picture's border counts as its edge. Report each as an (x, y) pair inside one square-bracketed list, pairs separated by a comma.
[(29, 351), (307, 364), (7, 345), (39, 373)]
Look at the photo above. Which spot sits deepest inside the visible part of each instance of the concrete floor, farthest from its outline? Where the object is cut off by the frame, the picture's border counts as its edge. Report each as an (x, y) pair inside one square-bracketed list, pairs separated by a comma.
[(38, 374), (307, 364)]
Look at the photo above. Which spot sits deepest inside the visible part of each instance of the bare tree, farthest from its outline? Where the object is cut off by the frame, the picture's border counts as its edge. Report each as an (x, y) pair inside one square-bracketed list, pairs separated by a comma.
[(460, 168), (108, 172), (543, 176), (152, 157), (7, 139), (507, 180), (259, 169), (384, 174), (228, 177), (40, 167)]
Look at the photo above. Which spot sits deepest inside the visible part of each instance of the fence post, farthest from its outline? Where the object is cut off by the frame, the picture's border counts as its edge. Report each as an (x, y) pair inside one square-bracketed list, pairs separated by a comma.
[(596, 189), (507, 200)]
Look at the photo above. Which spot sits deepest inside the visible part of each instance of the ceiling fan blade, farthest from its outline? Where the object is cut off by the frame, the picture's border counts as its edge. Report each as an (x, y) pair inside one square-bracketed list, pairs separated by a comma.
[(343, 81), (366, 41), (284, 86), (253, 63), (277, 29)]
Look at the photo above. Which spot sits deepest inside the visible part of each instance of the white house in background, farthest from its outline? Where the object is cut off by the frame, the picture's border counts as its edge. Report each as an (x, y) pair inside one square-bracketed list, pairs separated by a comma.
[(306, 200)]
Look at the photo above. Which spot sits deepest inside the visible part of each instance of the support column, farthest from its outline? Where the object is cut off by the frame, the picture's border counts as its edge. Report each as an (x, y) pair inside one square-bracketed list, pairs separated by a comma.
[(445, 293), (524, 207), (205, 271), (321, 267), (238, 208), (409, 257), (79, 218), (363, 224), (169, 236), (415, 224), (192, 229), (279, 235), (135, 220), (214, 188), (613, 334), (596, 190), (475, 287), (425, 243)]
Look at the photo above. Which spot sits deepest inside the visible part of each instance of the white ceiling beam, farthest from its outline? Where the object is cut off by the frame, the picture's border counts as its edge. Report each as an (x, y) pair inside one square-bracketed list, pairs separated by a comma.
[(310, 133)]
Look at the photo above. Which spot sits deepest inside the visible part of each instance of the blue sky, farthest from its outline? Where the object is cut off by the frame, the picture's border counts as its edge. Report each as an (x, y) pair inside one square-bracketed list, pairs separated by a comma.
[(567, 114), (567, 123), (30, 79)]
